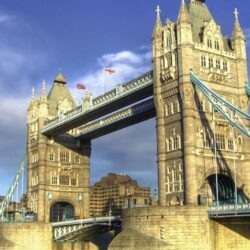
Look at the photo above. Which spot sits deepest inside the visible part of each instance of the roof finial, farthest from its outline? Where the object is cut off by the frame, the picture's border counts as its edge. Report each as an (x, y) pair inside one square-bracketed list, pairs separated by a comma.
[(33, 92), (158, 11), (60, 71), (44, 84), (236, 14)]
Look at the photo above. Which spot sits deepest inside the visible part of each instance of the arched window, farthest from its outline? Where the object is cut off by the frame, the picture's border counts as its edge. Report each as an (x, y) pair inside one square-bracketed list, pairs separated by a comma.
[(167, 144)]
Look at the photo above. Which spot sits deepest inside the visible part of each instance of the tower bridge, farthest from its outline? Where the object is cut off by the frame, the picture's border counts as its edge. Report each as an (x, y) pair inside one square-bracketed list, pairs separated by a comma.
[(197, 92)]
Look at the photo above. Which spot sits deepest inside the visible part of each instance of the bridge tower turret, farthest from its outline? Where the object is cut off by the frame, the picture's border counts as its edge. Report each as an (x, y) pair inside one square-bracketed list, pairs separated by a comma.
[(187, 127), (58, 167)]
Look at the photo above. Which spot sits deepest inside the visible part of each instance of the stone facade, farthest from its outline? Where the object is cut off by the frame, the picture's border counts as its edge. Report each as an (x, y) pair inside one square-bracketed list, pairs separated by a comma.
[(179, 228), (186, 122), (58, 167)]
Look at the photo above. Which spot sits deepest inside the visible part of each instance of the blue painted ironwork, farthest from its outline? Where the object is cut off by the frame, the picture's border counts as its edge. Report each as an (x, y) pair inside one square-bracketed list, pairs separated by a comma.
[(231, 113), (247, 90), (121, 91), (141, 111), (5, 203)]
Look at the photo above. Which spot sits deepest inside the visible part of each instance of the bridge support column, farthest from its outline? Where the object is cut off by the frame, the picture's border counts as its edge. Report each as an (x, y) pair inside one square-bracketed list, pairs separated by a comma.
[(189, 134), (86, 152)]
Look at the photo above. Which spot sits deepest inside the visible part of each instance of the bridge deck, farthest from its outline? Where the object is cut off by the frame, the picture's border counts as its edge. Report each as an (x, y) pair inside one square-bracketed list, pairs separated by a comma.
[(229, 211)]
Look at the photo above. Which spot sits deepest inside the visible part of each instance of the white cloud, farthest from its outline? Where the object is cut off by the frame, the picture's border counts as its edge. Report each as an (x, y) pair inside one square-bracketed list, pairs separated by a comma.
[(4, 18), (126, 64)]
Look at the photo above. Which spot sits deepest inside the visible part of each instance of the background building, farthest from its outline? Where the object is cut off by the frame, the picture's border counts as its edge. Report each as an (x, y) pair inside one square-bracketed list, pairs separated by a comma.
[(114, 192)]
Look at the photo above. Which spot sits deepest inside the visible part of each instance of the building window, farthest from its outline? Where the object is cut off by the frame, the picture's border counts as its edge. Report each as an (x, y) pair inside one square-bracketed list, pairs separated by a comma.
[(175, 107), (225, 66), (168, 41), (54, 180), (216, 44), (77, 159), (64, 157), (180, 167), (170, 144), (169, 109), (64, 179), (209, 43), (220, 141), (211, 62), (51, 156), (169, 60), (218, 64), (230, 144), (73, 181), (207, 143), (203, 61), (201, 106)]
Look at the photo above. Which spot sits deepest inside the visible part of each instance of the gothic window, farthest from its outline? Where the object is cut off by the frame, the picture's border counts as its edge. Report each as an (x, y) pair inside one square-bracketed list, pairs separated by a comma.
[(225, 66), (54, 180), (220, 141), (64, 157), (209, 43), (64, 179), (217, 64), (216, 44), (211, 62), (203, 61)]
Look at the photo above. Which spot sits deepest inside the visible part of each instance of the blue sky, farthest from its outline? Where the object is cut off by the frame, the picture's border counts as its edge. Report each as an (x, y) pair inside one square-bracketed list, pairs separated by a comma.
[(81, 37)]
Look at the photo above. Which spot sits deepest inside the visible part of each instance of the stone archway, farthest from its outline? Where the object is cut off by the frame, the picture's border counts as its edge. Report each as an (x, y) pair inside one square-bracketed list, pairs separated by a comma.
[(226, 190), (61, 211)]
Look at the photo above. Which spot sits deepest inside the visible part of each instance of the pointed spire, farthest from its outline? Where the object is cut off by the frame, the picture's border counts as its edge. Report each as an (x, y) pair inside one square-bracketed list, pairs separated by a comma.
[(183, 16), (158, 24), (237, 32), (60, 78), (33, 98), (43, 97)]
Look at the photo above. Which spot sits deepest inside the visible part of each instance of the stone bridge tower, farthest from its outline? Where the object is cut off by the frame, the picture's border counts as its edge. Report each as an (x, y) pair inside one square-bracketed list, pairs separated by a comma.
[(187, 126), (58, 168)]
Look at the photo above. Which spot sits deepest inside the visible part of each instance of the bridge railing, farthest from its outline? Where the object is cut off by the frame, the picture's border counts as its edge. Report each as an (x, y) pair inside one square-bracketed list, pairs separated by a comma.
[(120, 90), (230, 209), (64, 228)]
